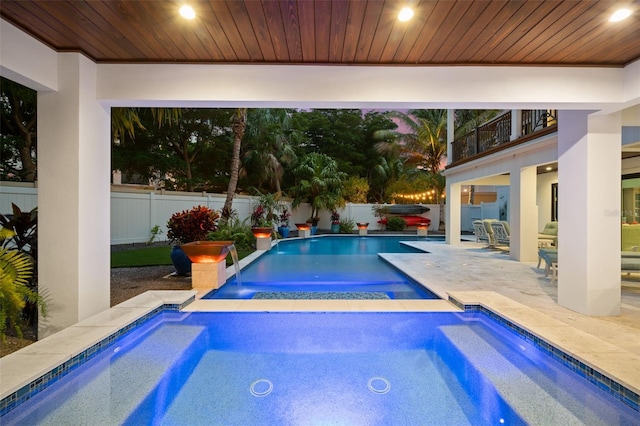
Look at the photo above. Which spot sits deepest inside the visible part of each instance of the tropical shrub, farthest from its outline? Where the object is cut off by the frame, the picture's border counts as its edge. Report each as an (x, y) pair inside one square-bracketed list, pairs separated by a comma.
[(284, 217), (192, 225), (396, 224), (356, 190), (18, 288), (266, 213), (17, 269), (234, 230), (347, 226)]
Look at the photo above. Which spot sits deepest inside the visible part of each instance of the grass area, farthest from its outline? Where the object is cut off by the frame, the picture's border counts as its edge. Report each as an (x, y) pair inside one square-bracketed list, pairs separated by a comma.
[(153, 256)]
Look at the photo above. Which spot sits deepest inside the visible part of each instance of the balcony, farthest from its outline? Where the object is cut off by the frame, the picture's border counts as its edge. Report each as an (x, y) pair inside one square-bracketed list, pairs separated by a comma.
[(498, 133)]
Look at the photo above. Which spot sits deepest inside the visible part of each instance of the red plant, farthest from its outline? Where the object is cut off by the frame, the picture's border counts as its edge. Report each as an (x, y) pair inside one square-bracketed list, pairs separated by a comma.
[(192, 225), (335, 217), (284, 217)]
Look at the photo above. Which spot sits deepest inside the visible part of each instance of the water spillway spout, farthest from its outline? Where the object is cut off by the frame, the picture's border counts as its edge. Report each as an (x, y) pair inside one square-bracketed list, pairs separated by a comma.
[(236, 264)]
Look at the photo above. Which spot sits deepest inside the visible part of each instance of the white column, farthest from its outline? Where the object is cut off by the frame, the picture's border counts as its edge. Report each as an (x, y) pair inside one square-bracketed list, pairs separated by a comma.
[(452, 208), (523, 215), (450, 134), (73, 197), (589, 167), (516, 124)]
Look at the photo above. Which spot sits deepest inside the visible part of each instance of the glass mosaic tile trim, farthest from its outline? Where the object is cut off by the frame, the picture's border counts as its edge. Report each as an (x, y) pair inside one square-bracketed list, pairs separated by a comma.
[(605, 383), (28, 391)]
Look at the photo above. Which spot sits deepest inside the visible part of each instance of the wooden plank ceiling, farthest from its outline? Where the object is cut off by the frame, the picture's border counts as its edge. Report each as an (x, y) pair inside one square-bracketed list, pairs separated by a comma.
[(448, 32)]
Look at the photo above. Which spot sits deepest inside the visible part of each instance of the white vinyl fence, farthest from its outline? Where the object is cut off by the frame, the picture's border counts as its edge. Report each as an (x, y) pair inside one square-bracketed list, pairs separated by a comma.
[(135, 212)]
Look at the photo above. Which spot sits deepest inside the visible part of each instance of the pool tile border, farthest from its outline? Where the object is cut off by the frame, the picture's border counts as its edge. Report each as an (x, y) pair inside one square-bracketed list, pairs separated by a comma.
[(31, 389), (612, 387)]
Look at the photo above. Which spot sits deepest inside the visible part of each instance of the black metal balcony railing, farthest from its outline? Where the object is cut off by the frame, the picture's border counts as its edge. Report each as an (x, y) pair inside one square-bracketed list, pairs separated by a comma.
[(497, 132), (538, 119)]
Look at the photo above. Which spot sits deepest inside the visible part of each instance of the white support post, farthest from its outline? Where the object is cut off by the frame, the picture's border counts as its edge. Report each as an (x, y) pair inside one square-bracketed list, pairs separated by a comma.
[(453, 208), (516, 124), (450, 134), (589, 168), (73, 198), (523, 215)]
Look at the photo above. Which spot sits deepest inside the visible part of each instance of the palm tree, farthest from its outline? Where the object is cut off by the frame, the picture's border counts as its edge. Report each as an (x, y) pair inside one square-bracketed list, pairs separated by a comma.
[(238, 125), (125, 121), (424, 146), (269, 136), (318, 182)]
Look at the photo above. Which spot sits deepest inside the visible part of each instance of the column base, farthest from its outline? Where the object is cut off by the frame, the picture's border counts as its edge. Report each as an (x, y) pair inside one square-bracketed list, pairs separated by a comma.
[(263, 243), (208, 275), (304, 233)]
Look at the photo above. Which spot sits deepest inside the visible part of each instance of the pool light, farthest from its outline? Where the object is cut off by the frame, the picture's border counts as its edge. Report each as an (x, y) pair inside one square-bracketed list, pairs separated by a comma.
[(187, 12), (620, 15)]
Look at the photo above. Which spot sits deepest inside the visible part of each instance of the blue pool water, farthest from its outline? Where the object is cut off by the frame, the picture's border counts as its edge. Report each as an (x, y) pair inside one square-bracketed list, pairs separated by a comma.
[(322, 368), (334, 266)]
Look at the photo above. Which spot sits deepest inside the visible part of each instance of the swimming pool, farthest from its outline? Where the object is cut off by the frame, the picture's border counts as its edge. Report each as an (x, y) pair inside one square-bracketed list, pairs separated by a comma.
[(322, 368), (327, 267)]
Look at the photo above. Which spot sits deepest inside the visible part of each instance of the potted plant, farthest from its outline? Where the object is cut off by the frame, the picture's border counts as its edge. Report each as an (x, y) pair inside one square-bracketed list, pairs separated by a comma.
[(188, 226), (283, 229), (335, 222), (261, 225), (265, 214), (313, 220)]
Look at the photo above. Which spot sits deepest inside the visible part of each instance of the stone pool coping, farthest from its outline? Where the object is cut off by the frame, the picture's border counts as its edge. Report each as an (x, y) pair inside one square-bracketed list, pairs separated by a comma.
[(27, 370)]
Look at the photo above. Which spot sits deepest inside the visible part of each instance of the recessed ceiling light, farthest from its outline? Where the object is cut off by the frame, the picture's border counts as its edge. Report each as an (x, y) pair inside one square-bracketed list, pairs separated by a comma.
[(549, 168), (187, 12), (405, 14), (620, 15)]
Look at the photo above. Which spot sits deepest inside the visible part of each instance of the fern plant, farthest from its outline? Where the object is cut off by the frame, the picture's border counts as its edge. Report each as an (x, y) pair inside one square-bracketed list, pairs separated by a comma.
[(16, 269), (19, 299)]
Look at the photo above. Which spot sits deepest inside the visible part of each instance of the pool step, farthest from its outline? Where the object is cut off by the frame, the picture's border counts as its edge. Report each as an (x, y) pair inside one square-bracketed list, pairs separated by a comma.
[(119, 383), (529, 387)]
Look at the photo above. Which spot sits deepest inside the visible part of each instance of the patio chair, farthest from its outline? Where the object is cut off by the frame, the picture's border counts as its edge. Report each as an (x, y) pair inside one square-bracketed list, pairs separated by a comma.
[(629, 262), (550, 232), (483, 232), (501, 232), (550, 256)]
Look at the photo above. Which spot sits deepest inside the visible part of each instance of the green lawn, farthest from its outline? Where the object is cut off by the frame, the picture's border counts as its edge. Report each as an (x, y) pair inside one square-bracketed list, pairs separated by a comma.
[(152, 256)]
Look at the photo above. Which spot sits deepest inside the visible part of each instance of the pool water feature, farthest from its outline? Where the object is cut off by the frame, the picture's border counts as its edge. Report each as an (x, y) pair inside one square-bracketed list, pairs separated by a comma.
[(335, 265), (322, 368)]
